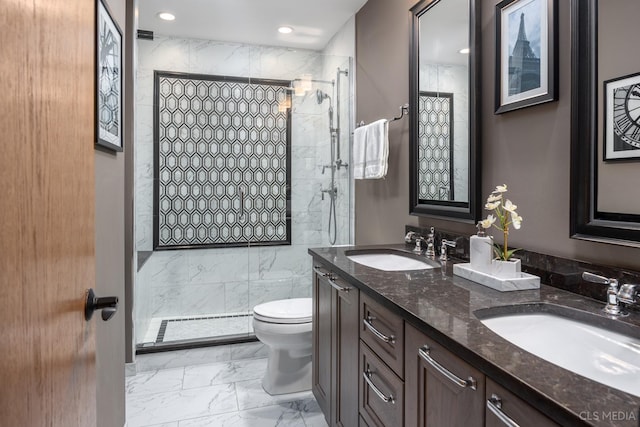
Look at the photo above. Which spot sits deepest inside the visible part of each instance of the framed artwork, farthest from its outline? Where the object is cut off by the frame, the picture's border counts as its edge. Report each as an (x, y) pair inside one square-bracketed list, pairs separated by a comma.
[(526, 54), (622, 118), (108, 80)]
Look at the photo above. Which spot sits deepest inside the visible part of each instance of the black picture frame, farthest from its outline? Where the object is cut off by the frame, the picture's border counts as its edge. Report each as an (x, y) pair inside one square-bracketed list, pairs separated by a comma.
[(586, 221), (621, 144), (108, 80), (526, 71)]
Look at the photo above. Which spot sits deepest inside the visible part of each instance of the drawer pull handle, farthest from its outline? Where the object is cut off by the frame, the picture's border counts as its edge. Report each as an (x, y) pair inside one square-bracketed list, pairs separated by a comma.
[(388, 339), (316, 268), (367, 377), (494, 404), (469, 382), (339, 288)]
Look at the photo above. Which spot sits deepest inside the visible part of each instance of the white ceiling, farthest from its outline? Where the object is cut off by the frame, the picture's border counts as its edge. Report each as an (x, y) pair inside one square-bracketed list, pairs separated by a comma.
[(444, 30), (250, 21)]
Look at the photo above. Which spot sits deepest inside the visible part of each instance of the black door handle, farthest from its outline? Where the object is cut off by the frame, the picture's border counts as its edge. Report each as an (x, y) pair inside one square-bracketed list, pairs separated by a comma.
[(108, 305)]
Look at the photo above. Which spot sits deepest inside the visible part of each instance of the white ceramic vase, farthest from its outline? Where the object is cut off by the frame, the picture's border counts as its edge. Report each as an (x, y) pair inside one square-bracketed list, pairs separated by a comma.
[(506, 269)]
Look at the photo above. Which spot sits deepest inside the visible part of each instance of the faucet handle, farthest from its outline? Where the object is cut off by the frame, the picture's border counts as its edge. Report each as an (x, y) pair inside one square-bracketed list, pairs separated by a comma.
[(590, 277), (410, 237), (629, 294)]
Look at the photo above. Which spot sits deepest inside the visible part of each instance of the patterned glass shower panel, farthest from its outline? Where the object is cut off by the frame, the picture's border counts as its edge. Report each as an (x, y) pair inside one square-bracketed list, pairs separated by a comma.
[(222, 156), (435, 135)]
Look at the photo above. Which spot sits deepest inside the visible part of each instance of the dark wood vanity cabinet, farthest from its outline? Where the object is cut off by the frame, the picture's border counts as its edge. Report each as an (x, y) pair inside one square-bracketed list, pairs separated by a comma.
[(444, 390), (372, 368), (335, 347)]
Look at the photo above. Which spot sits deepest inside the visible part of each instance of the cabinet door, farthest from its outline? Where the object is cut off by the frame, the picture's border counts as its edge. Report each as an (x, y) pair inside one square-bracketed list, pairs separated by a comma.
[(345, 372), (444, 390), (506, 410), (322, 343), (381, 391)]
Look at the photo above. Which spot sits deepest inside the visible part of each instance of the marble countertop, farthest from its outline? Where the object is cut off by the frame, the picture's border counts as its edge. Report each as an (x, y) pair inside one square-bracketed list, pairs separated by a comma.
[(443, 306)]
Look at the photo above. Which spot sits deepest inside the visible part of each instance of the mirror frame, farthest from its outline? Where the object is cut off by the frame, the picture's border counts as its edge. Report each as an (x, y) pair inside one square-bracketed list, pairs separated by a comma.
[(451, 210), (586, 222)]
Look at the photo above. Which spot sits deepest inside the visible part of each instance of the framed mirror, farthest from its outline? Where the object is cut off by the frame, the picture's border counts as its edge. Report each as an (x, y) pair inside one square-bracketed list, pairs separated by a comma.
[(605, 122), (444, 91)]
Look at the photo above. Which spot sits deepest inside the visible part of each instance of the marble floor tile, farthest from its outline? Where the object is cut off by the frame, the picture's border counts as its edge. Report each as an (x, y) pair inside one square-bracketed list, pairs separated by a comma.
[(270, 416), (224, 372), (155, 381), (213, 386), (156, 408), (178, 330), (252, 395)]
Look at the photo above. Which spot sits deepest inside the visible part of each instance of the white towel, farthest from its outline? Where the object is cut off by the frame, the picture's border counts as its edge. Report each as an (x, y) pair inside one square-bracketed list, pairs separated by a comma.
[(371, 150)]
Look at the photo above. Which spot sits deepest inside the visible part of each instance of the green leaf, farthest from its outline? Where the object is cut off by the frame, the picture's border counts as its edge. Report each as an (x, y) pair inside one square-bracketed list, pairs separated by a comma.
[(497, 249)]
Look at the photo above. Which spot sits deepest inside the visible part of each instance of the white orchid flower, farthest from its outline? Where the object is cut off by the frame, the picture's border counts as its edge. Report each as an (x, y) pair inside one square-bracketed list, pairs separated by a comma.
[(488, 221), (516, 220), (494, 197), (508, 206), (501, 189), (492, 205)]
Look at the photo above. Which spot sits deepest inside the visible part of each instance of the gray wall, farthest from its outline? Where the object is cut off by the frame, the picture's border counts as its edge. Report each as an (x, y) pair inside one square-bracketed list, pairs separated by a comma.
[(110, 268), (527, 149)]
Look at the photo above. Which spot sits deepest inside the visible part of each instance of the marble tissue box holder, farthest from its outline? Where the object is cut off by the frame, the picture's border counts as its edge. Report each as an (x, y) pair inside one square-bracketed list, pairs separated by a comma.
[(500, 275)]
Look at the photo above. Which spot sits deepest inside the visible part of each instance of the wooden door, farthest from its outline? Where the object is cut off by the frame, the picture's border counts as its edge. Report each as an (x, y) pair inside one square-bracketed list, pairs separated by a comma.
[(47, 356)]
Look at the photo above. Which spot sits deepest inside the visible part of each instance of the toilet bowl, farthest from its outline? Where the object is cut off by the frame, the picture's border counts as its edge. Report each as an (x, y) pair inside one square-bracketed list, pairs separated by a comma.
[(284, 326)]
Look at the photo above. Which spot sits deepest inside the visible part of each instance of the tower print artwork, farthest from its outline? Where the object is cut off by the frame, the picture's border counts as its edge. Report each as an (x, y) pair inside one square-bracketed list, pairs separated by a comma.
[(524, 63), (526, 60)]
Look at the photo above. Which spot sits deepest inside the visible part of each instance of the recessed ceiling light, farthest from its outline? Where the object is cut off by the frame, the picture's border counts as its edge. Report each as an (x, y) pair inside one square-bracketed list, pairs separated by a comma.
[(465, 50), (285, 30), (166, 16)]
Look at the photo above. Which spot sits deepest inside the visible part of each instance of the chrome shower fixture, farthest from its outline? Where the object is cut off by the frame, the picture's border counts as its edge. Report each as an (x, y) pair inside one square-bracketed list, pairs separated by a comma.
[(321, 96)]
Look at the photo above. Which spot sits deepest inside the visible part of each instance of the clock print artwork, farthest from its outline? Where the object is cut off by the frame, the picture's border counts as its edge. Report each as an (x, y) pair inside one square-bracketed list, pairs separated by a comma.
[(622, 118), (108, 81)]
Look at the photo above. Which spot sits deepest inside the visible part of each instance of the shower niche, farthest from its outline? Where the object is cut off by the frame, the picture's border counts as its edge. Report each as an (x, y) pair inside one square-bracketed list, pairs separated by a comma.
[(222, 151)]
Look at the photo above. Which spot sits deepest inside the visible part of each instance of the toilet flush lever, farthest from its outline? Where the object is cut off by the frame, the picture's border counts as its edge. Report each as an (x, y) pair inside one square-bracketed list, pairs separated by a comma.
[(108, 305)]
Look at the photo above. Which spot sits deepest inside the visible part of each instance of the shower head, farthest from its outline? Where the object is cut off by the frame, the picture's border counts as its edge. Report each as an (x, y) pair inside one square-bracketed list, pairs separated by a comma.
[(321, 96)]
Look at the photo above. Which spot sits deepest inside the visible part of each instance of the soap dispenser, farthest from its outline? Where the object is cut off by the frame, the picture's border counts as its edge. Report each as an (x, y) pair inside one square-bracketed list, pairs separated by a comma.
[(481, 251)]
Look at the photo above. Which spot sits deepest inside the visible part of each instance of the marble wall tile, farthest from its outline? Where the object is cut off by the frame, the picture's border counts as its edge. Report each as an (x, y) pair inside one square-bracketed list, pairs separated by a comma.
[(169, 268), (219, 265), (148, 409), (283, 262), (166, 300), (144, 236), (261, 291), (202, 299), (164, 54), (269, 62), (236, 297), (144, 85), (219, 58)]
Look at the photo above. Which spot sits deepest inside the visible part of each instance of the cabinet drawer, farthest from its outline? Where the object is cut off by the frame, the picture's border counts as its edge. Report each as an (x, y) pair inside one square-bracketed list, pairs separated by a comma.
[(505, 409), (383, 331), (381, 391)]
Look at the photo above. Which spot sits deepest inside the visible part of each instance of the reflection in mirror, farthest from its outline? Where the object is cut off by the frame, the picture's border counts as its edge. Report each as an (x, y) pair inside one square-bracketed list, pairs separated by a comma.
[(605, 122), (443, 127)]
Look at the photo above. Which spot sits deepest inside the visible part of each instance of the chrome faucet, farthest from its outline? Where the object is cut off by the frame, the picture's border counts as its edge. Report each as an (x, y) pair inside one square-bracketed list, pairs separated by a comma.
[(431, 240), (412, 236), (626, 294), (443, 248)]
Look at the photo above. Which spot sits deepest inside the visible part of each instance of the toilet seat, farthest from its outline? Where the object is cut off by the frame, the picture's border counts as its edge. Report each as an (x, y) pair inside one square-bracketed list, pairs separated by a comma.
[(286, 311)]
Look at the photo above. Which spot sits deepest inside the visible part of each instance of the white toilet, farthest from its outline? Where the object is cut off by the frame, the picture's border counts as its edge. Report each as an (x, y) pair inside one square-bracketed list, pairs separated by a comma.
[(284, 326)]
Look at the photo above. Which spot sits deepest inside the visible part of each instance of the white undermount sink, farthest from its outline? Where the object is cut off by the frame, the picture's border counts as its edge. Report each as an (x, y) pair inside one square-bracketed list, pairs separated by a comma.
[(389, 261), (610, 358)]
